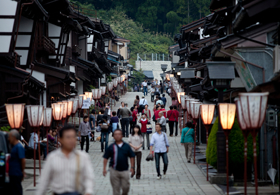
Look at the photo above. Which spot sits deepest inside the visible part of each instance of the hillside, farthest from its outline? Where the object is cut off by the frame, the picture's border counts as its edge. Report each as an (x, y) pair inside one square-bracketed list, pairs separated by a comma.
[(142, 41), (165, 16)]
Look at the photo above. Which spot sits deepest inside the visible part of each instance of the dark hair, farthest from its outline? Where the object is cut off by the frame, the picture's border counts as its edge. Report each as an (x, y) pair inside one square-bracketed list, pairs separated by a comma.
[(86, 116), (132, 109), (173, 98), (117, 130), (159, 125), (146, 105), (93, 111), (114, 113), (102, 111), (163, 95), (171, 107), (50, 130), (189, 124), (137, 97), (144, 114), (162, 106), (66, 128), (139, 132)]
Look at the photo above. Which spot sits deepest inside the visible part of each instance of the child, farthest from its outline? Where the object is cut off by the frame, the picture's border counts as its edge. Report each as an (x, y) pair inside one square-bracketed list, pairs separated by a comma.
[(144, 121)]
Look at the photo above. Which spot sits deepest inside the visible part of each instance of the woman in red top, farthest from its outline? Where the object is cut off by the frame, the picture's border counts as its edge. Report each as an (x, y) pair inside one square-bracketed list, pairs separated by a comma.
[(171, 115), (134, 117), (144, 121)]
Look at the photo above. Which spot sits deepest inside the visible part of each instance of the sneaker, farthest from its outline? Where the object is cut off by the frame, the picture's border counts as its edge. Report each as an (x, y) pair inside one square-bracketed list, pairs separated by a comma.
[(189, 161), (164, 175), (158, 177)]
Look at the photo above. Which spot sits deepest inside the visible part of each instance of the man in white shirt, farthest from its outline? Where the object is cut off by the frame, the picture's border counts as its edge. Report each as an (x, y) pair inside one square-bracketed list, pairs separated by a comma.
[(43, 145), (142, 103), (67, 170), (145, 89)]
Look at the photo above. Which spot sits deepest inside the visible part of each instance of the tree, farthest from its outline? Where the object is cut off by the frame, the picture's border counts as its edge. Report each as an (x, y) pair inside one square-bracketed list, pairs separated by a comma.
[(138, 78)]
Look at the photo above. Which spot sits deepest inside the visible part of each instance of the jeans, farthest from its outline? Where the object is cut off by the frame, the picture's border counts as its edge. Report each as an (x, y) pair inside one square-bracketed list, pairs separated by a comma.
[(171, 127), (125, 125), (147, 139), (85, 138), (165, 162), (145, 90), (43, 147), (152, 97), (106, 135), (15, 185)]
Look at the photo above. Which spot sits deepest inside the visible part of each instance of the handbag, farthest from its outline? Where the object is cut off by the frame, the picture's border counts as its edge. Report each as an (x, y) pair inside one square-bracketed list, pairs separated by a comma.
[(104, 126), (154, 118), (150, 157)]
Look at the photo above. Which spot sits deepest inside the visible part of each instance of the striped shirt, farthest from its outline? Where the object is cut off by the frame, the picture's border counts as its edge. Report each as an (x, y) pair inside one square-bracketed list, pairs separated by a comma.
[(59, 173)]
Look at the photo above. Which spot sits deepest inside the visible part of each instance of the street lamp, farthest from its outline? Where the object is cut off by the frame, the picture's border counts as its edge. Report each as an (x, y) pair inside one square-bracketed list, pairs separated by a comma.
[(227, 116), (34, 115), (195, 109), (47, 121), (15, 113), (57, 111), (253, 106), (207, 114), (64, 111), (167, 76), (70, 107)]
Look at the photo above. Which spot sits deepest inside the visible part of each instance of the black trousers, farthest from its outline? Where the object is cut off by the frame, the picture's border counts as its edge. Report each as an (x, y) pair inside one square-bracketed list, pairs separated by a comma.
[(132, 125), (15, 185), (171, 127), (85, 138), (138, 156), (176, 127)]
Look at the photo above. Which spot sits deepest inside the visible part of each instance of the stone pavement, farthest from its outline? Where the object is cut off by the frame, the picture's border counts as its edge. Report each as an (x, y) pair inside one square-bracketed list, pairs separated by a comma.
[(182, 177)]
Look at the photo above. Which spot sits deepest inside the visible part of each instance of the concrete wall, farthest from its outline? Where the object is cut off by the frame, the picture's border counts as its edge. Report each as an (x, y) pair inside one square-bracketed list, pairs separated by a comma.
[(155, 66)]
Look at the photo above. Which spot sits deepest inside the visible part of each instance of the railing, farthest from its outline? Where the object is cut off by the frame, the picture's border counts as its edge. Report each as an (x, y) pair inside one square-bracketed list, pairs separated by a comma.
[(45, 44), (153, 57)]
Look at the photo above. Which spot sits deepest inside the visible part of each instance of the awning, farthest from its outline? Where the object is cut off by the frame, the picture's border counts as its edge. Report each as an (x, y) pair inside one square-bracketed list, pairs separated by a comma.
[(149, 74)]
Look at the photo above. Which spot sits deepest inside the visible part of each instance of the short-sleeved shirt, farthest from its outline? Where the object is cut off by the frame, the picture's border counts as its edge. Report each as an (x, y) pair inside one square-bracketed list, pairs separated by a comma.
[(91, 119), (119, 156), (17, 154)]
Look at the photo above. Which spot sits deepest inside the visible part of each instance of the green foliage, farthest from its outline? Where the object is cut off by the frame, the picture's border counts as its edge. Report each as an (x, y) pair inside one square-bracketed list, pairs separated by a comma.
[(138, 78), (5, 128), (90, 87), (236, 145), (165, 16)]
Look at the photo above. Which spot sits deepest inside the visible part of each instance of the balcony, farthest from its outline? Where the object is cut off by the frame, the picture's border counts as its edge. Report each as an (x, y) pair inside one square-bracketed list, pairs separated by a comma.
[(46, 45)]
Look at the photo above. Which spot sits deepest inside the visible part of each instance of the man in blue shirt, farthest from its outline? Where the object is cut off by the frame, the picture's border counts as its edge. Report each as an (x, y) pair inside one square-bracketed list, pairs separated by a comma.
[(159, 141), (163, 98), (119, 152), (16, 163)]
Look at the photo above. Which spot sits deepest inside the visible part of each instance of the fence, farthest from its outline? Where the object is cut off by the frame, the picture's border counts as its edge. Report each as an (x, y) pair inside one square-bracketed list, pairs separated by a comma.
[(153, 57)]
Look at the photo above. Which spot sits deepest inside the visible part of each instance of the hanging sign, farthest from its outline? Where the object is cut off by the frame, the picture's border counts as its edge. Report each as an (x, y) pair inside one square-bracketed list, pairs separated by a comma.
[(86, 104)]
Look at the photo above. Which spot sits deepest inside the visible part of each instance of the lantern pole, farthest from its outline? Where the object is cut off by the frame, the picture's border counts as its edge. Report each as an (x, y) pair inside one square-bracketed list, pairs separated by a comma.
[(194, 150), (245, 134), (254, 133), (207, 132)]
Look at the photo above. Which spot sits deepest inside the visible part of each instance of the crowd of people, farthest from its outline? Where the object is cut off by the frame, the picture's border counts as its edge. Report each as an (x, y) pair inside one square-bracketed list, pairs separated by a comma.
[(134, 123)]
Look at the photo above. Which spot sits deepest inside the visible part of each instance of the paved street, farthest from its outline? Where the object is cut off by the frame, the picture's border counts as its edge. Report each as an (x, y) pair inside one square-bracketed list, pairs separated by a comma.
[(182, 177)]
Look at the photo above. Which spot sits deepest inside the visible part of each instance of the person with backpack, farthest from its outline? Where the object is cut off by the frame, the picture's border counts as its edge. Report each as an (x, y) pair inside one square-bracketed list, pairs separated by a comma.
[(159, 143), (187, 140), (102, 122)]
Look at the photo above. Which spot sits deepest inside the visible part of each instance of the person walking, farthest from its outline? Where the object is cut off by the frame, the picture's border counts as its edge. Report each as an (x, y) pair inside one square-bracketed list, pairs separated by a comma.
[(136, 101), (104, 132), (67, 170), (171, 115), (152, 93), (147, 112), (16, 163), (145, 89), (135, 141), (142, 103), (163, 99), (162, 121), (176, 119), (114, 121), (134, 117), (161, 87), (84, 129), (92, 124), (125, 113), (187, 140), (119, 152), (144, 121), (159, 143)]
